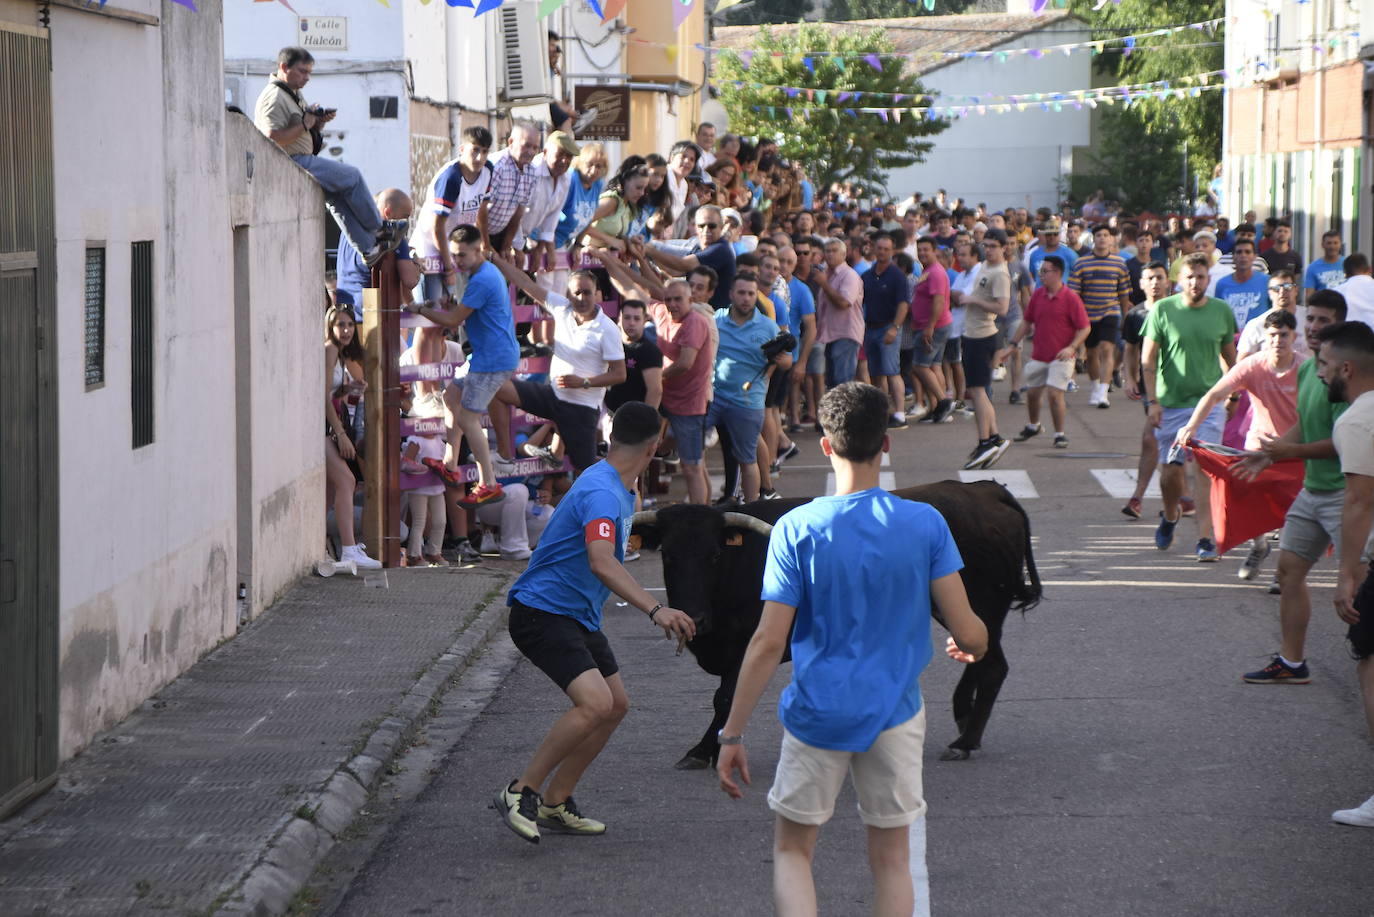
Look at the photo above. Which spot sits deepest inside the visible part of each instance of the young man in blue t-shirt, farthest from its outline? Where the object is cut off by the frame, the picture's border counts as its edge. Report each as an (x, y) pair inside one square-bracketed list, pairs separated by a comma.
[(857, 572), (555, 621)]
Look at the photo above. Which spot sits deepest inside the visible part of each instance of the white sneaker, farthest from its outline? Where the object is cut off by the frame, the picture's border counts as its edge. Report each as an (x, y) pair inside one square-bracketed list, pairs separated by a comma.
[(522, 554), (1096, 397), (1363, 817), (999, 374), (353, 554), (489, 544)]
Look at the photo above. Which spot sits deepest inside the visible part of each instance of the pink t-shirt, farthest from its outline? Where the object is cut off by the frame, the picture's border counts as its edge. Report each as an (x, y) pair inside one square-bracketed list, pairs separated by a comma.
[(832, 322), (933, 282), (684, 394), (1273, 395), (1056, 319)]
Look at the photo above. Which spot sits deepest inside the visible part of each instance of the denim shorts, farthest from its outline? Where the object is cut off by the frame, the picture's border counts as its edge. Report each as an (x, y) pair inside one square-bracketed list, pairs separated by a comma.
[(743, 424), (815, 361), (930, 356), (1173, 420), (841, 361), (689, 432), (480, 388), (883, 359)]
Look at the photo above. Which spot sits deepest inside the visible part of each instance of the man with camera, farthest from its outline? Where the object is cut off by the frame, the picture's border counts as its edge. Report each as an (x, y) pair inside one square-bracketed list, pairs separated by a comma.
[(282, 114)]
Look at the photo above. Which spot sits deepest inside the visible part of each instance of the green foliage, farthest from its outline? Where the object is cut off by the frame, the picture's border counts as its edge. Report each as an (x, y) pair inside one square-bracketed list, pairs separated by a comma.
[(1140, 168), (1139, 139), (846, 10), (834, 146)]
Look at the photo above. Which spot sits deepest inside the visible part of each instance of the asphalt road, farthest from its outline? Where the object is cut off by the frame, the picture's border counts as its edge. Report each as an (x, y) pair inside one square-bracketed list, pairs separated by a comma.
[(1127, 769)]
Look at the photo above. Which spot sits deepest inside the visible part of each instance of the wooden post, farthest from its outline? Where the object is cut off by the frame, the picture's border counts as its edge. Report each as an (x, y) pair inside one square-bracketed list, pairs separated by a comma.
[(381, 368)]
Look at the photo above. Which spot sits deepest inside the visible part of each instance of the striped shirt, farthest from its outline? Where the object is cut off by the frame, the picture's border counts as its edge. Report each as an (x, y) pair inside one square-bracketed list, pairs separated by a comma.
[(1100, 282), (511, 187)]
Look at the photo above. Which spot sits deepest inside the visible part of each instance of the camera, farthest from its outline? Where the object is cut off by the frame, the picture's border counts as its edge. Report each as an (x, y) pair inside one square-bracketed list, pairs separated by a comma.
[(781, 343)]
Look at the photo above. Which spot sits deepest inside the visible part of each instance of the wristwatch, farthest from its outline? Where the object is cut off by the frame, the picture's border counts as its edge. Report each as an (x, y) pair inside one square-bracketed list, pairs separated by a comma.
[(586, 383), (723, 739)]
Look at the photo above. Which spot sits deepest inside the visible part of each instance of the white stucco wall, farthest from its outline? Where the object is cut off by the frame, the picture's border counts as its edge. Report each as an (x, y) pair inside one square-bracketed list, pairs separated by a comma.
[(278, 216), (147, 535), (1003, 159)]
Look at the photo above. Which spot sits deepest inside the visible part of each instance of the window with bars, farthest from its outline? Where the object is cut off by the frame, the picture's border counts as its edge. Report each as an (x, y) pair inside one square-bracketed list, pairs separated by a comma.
[(141, 342), (95, 317)]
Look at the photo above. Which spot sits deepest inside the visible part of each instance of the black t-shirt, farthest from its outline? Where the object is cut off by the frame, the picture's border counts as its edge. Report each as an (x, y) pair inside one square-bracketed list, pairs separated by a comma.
[(1135, 267), (1279, 261), (641, 355), (1133, 332), (719, 257)]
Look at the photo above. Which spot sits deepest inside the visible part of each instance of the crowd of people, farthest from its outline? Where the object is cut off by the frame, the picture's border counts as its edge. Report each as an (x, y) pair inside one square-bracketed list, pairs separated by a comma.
[(717, 285)]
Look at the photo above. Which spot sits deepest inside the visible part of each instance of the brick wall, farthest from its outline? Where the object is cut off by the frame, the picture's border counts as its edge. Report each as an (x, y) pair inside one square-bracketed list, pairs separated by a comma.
[(1288, 112)]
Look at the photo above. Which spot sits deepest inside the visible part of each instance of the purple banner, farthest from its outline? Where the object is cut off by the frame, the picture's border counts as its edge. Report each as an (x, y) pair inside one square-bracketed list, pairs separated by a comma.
[(429, 372), (423, 426)]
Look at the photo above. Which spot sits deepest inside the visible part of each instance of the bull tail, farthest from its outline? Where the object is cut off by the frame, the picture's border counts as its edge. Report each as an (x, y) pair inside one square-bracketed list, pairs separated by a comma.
[(1028, 594)]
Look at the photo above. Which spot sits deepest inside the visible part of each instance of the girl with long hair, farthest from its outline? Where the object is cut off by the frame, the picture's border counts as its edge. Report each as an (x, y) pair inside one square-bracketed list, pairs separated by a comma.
[(344, 385)]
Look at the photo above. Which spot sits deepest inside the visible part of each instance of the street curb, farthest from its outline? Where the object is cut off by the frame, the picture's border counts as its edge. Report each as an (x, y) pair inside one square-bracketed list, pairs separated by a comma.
[(286, 862)]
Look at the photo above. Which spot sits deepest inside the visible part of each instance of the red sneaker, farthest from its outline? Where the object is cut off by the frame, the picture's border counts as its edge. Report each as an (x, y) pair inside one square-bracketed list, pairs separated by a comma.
[(483, 494), (445, 473)]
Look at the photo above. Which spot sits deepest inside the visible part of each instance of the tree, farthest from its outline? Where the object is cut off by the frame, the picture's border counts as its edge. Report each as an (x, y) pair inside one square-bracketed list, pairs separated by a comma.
[(834, 139), (1163, 125), (848, 10)]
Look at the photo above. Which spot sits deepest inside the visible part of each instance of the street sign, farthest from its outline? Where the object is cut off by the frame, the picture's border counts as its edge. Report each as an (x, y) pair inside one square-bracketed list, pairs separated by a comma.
[(324, 33)]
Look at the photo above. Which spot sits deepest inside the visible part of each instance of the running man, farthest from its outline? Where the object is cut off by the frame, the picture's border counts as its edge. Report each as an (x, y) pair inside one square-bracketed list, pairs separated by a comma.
[(555, 621)]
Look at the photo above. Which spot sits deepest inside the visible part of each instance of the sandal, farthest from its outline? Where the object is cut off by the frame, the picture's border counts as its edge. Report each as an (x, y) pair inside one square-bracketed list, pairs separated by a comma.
[(483, 494)]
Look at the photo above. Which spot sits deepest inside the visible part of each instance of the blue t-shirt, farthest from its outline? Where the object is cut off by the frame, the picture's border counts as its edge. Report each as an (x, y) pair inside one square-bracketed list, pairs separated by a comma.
[(882, 293), (719, 256), (1063, 252), (739, 359), (354, 274), (782, 311), (803, 304), (1323, 275), (808, 191), (577, 210), (858, 569), (862, 267), (491, 326), (559, 577), (1246, 299)]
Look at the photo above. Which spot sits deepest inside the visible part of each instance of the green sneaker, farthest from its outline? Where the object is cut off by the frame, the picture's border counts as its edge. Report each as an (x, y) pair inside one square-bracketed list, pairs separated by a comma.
[(565, 818), (518, 811)]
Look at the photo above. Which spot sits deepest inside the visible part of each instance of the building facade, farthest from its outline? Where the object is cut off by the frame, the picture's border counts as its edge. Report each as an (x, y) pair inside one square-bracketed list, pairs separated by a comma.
[(1297, 140), (159, 408)]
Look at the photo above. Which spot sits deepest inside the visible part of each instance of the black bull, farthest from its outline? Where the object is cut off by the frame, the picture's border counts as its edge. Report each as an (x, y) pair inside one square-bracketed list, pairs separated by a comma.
[(713, 568)]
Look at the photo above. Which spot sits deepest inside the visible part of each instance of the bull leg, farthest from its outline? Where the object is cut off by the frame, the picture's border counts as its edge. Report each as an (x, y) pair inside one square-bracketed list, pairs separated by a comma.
[(703, 755), (974, 698)]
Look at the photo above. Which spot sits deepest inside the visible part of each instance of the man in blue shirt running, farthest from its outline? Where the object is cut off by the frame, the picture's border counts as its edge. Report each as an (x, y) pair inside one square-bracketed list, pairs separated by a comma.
[(555, 621), (857, 572)]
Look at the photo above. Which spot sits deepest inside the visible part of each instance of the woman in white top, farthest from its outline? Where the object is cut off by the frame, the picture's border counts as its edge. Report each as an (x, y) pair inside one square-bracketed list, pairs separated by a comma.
[(343, 379)]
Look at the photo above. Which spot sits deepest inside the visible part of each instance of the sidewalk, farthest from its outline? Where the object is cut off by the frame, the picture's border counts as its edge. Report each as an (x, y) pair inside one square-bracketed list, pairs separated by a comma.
[(220, 794)]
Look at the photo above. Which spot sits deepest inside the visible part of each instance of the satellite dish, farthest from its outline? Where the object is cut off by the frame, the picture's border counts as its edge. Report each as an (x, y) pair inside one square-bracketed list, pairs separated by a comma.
[(713, 111)]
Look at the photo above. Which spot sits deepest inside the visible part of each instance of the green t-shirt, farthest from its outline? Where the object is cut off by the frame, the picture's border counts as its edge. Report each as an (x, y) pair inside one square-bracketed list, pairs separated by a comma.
[(1190, 342), (1316, 416)]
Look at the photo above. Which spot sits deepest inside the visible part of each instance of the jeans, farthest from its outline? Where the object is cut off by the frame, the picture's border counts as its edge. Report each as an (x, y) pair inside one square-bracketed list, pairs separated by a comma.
[(348, 199)]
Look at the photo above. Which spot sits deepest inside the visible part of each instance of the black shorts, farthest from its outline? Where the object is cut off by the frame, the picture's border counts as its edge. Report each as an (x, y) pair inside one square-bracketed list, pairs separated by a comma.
[(1361, 633), (560, 646), (1106, 330), (576, 423), (978, 354), (778, 386)]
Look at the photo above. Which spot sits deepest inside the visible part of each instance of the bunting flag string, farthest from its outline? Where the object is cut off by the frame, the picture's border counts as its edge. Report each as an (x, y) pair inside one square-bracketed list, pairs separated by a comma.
[(1210, 79), (1126, 98)]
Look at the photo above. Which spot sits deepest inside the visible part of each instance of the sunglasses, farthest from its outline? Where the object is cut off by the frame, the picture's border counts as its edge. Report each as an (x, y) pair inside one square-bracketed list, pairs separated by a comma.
[(1282, 287), (708, 226)]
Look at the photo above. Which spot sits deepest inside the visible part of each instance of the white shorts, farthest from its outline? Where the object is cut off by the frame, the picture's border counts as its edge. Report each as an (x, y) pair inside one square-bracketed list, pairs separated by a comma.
[(1056, 375), (887, 778)]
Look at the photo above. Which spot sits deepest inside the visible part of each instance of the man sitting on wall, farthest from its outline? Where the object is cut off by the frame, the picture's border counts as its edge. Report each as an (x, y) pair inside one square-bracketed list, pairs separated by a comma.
[(282, 115)]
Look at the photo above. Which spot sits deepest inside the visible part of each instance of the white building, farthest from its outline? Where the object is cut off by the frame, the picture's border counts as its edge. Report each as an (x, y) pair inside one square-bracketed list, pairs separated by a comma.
[(1298, 140), (1011, 159), (160, 397)]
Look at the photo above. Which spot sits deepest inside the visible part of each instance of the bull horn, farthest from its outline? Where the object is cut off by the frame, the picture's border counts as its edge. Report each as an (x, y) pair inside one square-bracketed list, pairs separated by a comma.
[(644, 517), (743, 521)]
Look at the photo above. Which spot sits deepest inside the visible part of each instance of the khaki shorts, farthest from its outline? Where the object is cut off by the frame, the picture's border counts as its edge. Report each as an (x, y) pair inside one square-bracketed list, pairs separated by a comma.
[(887, 778), (1056, 375)]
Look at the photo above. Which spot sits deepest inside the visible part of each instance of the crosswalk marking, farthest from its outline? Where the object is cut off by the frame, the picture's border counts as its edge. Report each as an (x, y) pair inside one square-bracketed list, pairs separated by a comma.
[(887, 480), (1120, 482), (1018, 482)]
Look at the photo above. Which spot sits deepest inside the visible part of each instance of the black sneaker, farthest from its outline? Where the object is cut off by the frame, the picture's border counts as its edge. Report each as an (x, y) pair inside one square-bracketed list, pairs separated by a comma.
[(790, 453), (943, 411), (985, 451), (520, 811), (1278, 672), (1028, 431)]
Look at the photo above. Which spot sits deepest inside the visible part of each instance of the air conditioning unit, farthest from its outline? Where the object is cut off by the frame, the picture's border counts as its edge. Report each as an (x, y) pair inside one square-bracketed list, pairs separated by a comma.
[(522, 67)]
